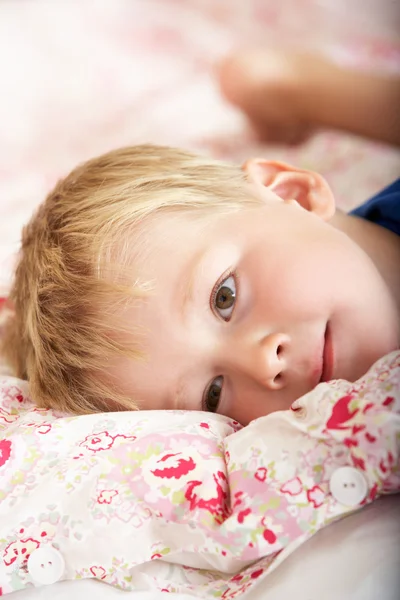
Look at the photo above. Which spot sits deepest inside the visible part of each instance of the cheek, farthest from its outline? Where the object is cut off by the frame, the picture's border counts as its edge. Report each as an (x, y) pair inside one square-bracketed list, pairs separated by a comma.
[(289, 282)]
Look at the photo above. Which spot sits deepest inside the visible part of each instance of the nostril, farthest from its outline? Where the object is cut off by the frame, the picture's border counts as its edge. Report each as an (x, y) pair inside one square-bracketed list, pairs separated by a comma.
[(277, 378), (279, 349)]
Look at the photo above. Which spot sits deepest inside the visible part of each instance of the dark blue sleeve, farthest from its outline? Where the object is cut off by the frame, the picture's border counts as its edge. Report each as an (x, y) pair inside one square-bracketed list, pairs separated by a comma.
[(383, 209)]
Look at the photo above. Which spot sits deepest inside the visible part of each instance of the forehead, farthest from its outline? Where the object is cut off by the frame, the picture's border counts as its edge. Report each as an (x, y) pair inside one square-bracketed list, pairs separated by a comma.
[(168, 239)]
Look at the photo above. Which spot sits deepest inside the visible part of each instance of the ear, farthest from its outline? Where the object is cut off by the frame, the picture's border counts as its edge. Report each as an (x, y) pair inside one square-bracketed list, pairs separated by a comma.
[(306, 188)]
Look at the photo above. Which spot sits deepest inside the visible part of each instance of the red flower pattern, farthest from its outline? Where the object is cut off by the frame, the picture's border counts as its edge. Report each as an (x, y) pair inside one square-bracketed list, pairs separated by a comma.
[(5, 451)]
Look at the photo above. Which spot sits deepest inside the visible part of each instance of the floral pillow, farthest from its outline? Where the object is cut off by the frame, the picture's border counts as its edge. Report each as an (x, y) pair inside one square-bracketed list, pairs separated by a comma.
[(185, 501)]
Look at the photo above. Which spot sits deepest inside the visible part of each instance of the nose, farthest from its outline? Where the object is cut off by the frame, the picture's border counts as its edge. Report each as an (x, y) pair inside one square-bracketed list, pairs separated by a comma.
[(265, 360)]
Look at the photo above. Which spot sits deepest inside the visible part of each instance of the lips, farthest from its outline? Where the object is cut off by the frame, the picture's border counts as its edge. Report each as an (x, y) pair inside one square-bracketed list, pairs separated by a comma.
[(327, 357)]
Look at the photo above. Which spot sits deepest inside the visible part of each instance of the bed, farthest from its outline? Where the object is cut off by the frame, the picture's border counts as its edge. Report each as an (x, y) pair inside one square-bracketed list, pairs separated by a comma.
[(83, 77)]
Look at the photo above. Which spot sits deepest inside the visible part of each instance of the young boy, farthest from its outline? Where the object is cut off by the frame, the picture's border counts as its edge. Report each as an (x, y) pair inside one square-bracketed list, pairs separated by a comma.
[(153, 278)]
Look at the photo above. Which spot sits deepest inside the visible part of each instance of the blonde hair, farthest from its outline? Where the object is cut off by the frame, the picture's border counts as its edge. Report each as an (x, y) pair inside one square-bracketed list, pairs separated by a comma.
[(59, 335)]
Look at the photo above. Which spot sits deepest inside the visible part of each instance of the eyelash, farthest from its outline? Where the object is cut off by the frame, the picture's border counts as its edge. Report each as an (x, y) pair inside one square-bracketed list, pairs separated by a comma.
[(206, 392), (229, 273)]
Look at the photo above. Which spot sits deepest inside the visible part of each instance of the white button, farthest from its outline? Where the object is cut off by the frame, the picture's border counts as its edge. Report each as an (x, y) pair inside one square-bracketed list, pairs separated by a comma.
[(46, 565), (348, 486)]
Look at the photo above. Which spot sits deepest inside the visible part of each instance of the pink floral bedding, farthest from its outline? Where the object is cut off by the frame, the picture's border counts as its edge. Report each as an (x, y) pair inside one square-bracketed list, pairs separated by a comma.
[(187, 501)]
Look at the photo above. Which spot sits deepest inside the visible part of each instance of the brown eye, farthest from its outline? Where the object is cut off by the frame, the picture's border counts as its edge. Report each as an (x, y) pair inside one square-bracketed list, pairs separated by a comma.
[(224, 298), (213, 395)]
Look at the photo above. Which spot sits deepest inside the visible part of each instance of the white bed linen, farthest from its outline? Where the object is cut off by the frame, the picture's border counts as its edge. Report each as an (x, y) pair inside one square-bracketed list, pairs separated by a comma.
[(357, 558)]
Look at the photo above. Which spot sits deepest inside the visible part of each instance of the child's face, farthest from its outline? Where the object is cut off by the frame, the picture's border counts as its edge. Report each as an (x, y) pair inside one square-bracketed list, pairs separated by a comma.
[(253, 309)]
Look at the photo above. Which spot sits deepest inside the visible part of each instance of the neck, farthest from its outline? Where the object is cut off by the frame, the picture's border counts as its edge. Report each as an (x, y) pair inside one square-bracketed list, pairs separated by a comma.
[(381, 245)]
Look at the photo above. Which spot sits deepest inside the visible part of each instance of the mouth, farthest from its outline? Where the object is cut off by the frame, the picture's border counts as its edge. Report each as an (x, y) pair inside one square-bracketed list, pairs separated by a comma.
[(327, 356)]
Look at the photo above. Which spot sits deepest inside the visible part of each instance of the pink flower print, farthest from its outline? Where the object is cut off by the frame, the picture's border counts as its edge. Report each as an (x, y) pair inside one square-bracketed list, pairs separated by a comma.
[(229, 594), (19, 550), (14, 393), (341, 414), (173, 467), (357, 428), (374, 492), (44, 428), (98, 441), (125, 437), (388, 401), (238, 499), (41, 428), (217, 505), (106, 496), (5, 451), (359, 463), (315, 496), (244, 587), (243, 514), (349, 442), (7, 417), (256, 574), (98, 572), (383, 375), (261, 474), (269, 536), (293, 487)]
